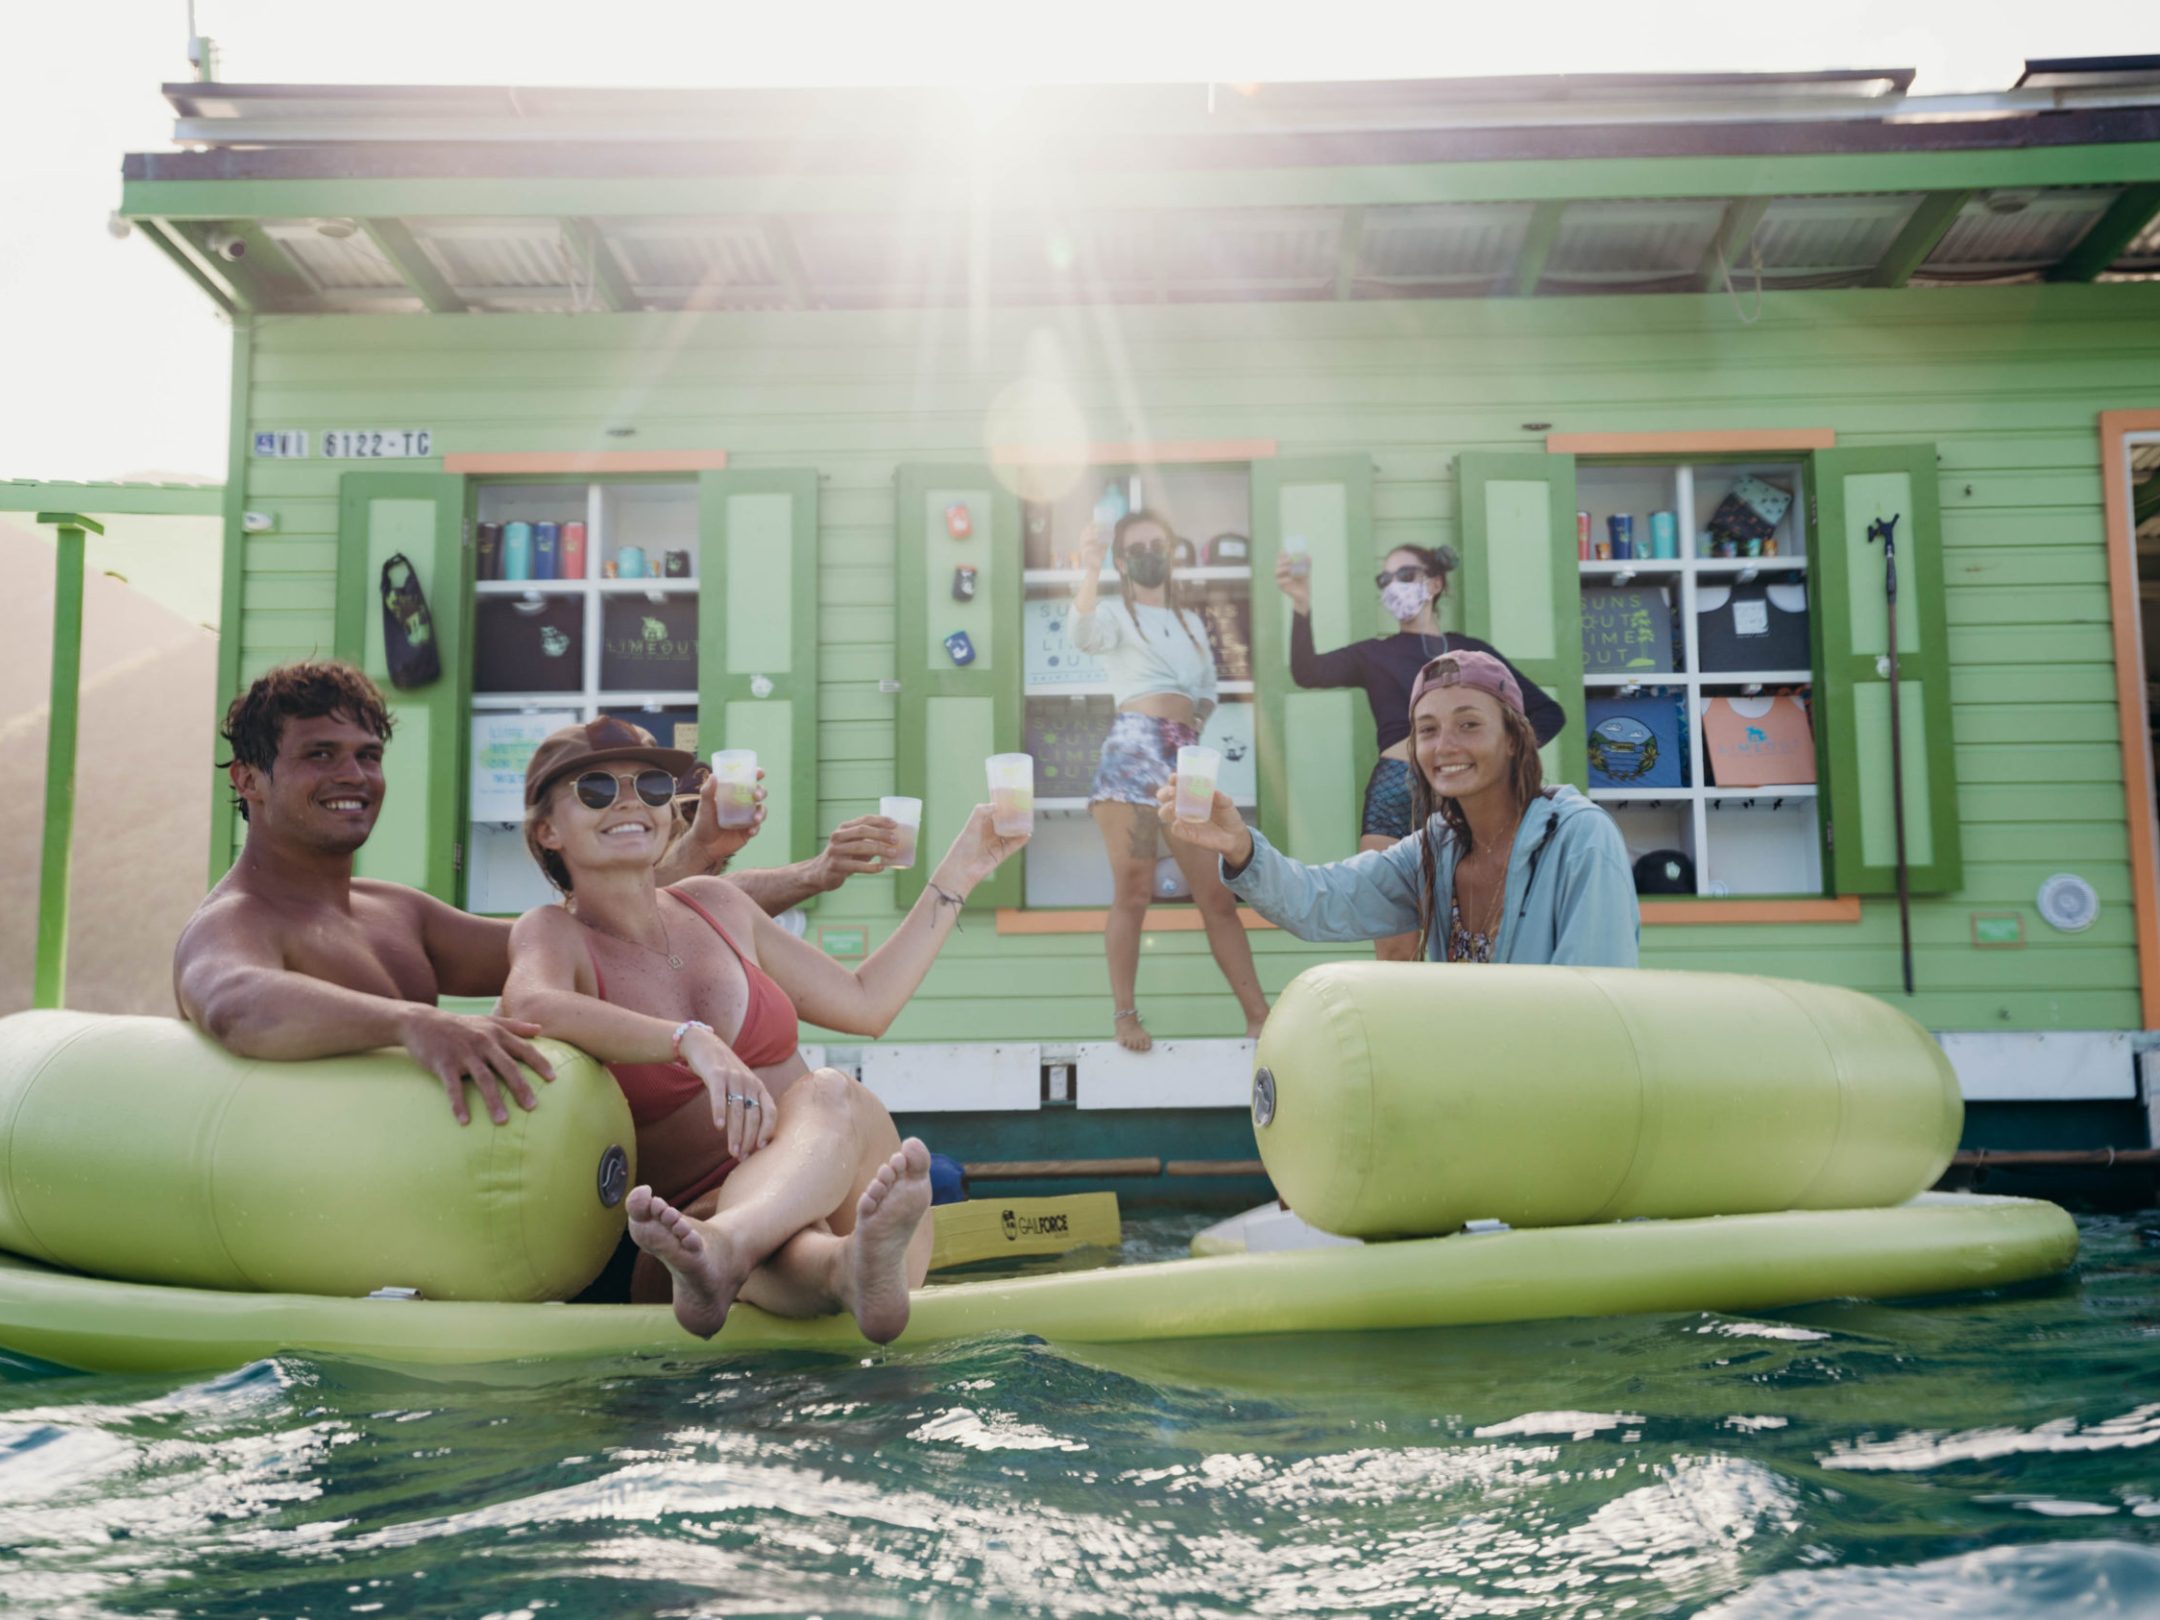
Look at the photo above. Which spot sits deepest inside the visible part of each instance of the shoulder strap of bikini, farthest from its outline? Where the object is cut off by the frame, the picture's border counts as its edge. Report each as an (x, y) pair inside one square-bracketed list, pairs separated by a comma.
[(710, 920)]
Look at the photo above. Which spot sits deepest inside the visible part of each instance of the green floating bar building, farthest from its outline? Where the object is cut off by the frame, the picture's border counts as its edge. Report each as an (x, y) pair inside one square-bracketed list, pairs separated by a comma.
[(753, 374)]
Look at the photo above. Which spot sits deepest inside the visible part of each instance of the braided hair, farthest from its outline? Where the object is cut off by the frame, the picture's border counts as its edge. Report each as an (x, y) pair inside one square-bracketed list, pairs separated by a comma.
[(1173, 590)]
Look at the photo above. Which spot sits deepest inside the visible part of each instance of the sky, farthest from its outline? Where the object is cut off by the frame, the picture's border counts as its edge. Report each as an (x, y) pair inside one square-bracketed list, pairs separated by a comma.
[(114, 365)]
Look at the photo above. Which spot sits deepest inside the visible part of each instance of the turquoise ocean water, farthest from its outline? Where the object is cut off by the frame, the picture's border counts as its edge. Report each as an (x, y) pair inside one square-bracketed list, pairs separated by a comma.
[(1987, 1456)]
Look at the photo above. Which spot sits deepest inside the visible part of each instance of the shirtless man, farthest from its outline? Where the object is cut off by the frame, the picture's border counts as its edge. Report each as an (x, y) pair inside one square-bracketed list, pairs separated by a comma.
[(291, 956)]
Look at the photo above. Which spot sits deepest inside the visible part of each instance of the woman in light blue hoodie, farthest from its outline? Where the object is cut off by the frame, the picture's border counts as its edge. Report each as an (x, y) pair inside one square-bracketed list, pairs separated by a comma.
[(1500, 868)]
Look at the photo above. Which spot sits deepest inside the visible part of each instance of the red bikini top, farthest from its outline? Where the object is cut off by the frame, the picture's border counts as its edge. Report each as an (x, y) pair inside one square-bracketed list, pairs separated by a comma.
[(770, 1030)]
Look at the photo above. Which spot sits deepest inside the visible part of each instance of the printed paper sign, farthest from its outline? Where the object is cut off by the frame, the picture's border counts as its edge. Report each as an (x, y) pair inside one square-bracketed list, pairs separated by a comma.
[(502, 746)]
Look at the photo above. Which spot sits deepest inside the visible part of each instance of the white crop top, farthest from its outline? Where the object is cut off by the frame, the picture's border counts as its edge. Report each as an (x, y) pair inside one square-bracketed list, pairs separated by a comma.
[(1153, 655)]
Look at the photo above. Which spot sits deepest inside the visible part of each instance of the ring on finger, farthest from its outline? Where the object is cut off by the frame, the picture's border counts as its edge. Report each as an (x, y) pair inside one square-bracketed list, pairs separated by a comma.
[(738, 1097)]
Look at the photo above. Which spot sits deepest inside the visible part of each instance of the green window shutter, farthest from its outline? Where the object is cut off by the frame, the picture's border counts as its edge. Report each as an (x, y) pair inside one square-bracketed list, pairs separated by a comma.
[(1521, 588), (415, 841), (1853, 489), (1315, 748), (757, 644), (952, 717)]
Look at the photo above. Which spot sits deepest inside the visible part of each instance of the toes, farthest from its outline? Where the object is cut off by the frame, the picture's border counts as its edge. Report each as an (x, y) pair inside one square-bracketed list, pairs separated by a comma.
[(641, 1203), (913, 1158)]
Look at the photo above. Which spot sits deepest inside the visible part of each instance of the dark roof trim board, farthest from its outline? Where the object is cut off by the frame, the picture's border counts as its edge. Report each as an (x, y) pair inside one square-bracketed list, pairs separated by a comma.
[(491, 160)]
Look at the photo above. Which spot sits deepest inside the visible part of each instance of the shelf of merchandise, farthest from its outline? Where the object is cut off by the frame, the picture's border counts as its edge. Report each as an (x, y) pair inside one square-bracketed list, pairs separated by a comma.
[(1685, 575), (537, 589), (602, 505)]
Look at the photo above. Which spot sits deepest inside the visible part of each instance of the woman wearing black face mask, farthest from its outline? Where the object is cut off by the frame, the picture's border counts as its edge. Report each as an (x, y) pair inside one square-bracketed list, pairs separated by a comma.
[(1411, 583), (1162, 676)]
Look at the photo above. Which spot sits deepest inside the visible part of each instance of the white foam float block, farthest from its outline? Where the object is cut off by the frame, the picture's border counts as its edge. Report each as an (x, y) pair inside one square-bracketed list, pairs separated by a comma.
[(955, 1077), (2063, 1065), (1176, 1074)]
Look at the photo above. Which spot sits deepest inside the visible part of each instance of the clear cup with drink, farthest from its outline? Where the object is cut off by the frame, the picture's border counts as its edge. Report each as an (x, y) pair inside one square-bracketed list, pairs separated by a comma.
[(1295, 548), (908, 813), (1197, 769), (1012, 794), (736, 771)]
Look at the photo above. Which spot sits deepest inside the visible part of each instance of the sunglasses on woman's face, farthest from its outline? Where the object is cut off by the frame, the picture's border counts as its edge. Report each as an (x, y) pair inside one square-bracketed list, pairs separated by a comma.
[(596, 790), (1145, 548), (1400, 576)]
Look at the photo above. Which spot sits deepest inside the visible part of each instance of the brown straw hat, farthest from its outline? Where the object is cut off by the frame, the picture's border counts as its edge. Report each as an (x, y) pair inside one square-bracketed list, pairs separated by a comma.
[(598, 742)]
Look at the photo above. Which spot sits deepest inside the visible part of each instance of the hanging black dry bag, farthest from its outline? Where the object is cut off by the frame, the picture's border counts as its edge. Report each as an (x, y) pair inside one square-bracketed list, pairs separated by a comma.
[(408, 628)]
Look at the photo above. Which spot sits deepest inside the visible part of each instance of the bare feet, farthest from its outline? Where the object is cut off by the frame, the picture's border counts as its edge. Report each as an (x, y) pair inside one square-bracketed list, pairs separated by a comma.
[(708, 1272), (1132, 1034), (891, 1207)]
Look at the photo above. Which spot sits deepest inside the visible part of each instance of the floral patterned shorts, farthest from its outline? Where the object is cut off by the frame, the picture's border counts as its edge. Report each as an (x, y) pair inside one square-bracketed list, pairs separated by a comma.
[(1138, 757)]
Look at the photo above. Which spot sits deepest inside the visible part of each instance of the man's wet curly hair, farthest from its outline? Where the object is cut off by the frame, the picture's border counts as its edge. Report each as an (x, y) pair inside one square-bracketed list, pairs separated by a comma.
[(255, 723)]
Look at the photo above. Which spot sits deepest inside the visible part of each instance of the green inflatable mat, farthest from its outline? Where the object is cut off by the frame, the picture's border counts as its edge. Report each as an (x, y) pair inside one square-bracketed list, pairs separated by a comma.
[(1935, 1244)]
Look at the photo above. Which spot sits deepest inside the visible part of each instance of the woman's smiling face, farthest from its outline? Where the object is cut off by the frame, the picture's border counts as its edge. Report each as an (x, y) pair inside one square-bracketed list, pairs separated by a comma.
[(1461, 741), (628, 833)]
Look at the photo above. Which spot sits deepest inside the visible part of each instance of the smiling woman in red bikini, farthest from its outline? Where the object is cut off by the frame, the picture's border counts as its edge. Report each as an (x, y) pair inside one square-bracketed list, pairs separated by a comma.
[(762, 1178)]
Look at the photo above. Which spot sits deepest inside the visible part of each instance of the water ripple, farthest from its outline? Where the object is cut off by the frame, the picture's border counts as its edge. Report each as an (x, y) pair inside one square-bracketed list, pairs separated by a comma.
[(1910, 1453)]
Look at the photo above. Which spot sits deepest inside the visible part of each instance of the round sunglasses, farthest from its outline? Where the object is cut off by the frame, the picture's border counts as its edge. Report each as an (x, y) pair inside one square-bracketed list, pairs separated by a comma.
[(597, 789), (1399, 576)]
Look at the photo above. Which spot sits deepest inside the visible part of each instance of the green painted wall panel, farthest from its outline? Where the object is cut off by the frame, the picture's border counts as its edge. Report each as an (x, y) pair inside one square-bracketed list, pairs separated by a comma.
[(760, 572), (2005, 383)]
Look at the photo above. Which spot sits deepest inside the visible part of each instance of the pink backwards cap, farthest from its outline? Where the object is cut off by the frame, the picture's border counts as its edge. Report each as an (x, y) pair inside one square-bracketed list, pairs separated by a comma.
[(1476, 669)]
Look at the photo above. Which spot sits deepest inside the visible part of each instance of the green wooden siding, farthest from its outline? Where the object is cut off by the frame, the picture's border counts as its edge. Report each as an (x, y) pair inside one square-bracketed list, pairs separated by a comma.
[(2004, 382), (757, 665)]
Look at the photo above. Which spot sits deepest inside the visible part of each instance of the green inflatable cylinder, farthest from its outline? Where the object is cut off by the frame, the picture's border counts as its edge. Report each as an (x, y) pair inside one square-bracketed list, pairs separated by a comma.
[(140, 1149), (1399, 1099)]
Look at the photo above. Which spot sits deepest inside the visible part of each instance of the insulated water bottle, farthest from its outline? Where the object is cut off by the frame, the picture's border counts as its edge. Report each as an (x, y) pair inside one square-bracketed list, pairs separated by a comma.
[(547, 537), (517, 551), (570, 556)]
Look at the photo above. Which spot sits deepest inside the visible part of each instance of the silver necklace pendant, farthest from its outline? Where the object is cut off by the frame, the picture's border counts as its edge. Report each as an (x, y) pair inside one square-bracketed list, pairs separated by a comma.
[(674, 962)]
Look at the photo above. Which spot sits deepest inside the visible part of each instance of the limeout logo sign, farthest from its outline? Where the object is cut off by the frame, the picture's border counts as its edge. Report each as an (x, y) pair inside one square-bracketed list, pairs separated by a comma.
[(1018, 1226), (651, 643)]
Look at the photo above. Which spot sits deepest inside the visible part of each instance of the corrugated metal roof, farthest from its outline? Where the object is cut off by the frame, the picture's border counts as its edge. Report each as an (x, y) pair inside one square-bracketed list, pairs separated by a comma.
[(1826, 238), (1623, 242), (479, 256), (1447, 246), (893, 259), (346, 261), (2013, 231)]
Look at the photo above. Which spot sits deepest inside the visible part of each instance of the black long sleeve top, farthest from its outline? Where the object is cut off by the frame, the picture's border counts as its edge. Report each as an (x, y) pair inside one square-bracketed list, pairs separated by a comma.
[(1387, 667)]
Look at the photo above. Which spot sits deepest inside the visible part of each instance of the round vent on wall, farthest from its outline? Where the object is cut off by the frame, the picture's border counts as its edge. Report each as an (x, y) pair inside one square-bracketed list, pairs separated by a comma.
[(2067, 903)]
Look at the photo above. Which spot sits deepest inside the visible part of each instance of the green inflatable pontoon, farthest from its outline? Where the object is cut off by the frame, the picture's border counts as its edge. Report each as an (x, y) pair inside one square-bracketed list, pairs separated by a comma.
[(168, 1207), (1937, 1243)]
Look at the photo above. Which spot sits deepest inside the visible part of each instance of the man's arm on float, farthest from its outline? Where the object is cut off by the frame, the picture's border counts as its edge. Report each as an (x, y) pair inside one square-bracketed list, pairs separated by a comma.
[(230, 978)]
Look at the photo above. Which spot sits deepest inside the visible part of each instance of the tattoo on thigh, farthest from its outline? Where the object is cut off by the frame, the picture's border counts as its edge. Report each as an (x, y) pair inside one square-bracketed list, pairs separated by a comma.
[(1143, 836)]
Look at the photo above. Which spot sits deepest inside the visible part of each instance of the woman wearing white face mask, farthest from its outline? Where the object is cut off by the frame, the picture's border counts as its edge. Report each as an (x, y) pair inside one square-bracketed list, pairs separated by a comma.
[(1162, 677), (1411, 584)]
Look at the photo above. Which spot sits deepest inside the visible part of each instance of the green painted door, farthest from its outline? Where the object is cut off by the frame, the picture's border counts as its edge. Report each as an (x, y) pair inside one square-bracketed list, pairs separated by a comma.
[(953, 716), (1858, 491), (421, 515), (1315, 748), (1521, 589), (757, 644)]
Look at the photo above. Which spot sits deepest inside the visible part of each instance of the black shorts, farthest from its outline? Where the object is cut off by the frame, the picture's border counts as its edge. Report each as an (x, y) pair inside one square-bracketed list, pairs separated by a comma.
[(1387, 800)]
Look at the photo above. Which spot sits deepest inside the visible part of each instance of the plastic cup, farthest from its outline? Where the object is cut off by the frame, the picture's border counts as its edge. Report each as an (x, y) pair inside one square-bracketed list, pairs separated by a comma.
[(1197, 768), (908, 812), (1012, 794), (736, 770), (1300, 554)]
